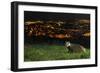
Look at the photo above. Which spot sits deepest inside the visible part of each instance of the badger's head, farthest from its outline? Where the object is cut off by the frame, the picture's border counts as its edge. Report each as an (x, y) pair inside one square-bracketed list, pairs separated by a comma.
[(67, 44)]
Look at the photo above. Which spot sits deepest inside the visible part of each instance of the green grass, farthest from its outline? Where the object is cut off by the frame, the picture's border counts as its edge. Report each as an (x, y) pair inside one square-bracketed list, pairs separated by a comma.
[(51, 52)]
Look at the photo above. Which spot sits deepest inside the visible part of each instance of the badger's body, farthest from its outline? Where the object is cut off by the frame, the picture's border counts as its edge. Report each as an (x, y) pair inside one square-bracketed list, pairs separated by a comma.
[(74, 47)]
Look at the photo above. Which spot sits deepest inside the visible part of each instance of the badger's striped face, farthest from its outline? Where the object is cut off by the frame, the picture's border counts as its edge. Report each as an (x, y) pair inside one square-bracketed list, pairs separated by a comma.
[(67, 44)]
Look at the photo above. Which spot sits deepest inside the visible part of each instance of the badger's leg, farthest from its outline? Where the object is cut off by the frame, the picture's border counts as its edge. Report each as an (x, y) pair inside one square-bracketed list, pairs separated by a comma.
[(70, 50), (83, 49)]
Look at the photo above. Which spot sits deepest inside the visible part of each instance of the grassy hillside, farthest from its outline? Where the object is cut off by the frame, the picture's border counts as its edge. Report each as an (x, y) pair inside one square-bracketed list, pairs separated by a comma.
[(51, 52)]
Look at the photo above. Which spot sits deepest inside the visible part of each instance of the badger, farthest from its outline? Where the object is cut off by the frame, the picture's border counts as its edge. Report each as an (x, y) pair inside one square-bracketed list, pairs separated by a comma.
[(75, 48)]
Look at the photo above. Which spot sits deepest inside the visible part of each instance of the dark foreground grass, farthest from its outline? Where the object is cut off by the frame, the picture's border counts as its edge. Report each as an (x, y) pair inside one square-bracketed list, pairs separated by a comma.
[(51, 52)]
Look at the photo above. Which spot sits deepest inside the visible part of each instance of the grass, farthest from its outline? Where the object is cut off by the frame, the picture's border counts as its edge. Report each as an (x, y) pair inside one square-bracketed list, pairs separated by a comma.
[(51, 52)]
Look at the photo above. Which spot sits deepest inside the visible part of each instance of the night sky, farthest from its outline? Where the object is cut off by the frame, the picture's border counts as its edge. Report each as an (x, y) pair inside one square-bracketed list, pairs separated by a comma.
[(29, 15)]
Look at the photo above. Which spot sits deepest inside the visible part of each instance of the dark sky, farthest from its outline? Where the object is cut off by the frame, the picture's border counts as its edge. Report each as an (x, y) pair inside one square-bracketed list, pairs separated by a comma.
[(29, 15)]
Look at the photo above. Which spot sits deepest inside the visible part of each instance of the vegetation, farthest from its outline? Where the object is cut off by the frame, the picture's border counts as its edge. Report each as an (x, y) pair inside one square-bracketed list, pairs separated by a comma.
[(45, 35), (46, 52)]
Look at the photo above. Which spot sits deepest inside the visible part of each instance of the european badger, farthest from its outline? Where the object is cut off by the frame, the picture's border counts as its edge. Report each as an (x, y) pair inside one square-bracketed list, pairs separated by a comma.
[(74, 47)]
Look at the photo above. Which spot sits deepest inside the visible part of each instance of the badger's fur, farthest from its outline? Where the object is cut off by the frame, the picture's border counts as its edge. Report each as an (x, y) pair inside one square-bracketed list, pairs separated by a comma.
[(74, 47)]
